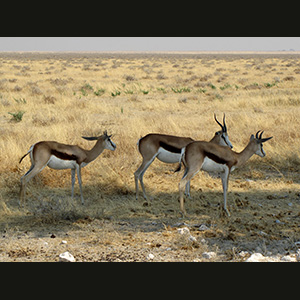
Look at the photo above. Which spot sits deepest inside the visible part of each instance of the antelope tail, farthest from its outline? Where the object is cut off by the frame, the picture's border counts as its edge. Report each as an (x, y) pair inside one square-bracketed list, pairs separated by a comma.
[(31, 149), (23, 157), (181, 160)]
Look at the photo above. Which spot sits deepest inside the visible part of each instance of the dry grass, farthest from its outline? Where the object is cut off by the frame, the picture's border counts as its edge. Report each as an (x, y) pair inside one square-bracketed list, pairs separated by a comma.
[(65, 96)]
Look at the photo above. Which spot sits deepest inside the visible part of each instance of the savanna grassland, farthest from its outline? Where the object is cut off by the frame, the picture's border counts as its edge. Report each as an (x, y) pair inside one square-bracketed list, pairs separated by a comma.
[(63, 96)]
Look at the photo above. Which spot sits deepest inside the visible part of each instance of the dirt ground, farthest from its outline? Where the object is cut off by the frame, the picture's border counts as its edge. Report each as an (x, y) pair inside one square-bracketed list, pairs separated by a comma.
[(118, 228)]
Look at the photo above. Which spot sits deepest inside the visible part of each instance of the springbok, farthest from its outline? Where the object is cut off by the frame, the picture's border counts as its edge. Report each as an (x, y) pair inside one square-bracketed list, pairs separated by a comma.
[(61, 156), (211, 157), (167, 148)]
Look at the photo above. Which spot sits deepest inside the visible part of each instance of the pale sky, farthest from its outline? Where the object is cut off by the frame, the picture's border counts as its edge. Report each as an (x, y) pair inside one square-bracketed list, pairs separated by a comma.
[(149, 43)]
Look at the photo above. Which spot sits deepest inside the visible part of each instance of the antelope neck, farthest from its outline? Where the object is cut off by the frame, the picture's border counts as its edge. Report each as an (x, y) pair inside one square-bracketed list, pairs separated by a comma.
[(95, 151), (245, 154)]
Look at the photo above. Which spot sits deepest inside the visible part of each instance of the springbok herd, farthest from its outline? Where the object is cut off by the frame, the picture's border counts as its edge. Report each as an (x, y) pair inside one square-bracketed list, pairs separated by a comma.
[(215, 156)]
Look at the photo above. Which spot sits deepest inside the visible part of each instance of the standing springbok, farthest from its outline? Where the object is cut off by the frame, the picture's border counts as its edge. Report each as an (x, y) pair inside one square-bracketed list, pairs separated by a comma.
[(61, 156), (167, 148), (211, 157)]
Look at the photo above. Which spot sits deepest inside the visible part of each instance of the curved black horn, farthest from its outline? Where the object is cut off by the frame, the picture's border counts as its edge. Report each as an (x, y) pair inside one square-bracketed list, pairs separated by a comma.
[(224, 127), (90, 138), (256, 136), (266, 139), (219, 122), (259, 138)]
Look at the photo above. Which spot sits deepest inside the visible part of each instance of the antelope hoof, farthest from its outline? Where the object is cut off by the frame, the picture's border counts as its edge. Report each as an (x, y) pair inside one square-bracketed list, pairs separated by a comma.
[(183, 214), (224, 212), (227, 212)]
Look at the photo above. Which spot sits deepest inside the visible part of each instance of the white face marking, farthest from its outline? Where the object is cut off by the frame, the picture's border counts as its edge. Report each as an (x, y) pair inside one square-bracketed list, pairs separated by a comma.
[(260, 152), (110, 145), (167, 156), (212, 167), (225, 140)]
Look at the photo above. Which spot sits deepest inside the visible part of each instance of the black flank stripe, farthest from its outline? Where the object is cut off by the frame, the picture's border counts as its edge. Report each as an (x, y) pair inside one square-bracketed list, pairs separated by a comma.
[(215, 158), (169, 147), (63, 156)]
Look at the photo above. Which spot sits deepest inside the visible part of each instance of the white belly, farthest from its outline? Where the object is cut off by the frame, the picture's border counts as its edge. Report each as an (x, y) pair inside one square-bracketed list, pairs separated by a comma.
[(58, 164), (212, 167), (168, 157)]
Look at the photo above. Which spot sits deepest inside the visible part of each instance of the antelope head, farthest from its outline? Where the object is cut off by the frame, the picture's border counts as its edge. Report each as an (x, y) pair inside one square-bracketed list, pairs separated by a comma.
[(223, 133), (258, 142), (108, 143)]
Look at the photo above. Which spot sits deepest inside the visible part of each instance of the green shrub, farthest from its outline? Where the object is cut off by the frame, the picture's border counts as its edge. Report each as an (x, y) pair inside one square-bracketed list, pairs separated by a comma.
[(17, 116), (100, 92)]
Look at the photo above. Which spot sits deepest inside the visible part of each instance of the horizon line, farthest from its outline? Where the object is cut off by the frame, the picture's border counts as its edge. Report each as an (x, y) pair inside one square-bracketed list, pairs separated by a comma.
[(291, 51)]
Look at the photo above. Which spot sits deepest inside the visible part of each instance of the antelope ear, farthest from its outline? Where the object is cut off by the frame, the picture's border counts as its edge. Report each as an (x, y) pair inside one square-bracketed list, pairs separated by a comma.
[(252, 137), (106, 137), (92, 138)]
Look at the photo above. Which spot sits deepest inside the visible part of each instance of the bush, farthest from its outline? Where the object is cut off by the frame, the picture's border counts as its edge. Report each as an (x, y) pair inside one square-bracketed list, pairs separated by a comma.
[(99, 92), (130, 78), (289, 78), (17, 116)]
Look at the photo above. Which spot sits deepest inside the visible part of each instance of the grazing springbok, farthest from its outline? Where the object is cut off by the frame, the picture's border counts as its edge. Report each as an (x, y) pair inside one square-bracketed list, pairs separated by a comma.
[(211, 157), (61, 156), (167, 148)]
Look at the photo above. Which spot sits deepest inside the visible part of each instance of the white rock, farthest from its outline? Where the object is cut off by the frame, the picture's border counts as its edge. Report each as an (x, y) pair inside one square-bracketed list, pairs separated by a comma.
[(256, 257), (203, 227), (66, 257), (243, 253), (64, 242), (192, 238), (183, 230), (263, 233), (150, 256), (288, 258), (209, 255)]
